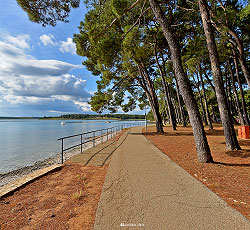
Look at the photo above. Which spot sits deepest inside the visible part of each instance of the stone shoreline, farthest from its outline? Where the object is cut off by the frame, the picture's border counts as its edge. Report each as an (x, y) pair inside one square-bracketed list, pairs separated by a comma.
[(5, 178)]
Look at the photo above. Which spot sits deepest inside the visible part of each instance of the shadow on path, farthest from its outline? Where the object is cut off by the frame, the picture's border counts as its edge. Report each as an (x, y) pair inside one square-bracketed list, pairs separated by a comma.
[(100, 154)]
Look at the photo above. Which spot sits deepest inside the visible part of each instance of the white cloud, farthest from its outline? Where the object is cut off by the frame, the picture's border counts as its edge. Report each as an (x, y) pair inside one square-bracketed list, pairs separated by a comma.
[(43, 84), (18, 41), (64, 46), (47, 39), (83, 105), (68, 46)]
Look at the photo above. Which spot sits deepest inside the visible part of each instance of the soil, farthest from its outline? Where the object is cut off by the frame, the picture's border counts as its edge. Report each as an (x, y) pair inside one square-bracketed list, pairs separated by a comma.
[(65, 199), (229, 176)]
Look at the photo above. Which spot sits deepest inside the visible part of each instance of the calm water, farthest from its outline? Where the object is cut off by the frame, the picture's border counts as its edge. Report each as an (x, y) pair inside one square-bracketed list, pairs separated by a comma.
[(23, 142)]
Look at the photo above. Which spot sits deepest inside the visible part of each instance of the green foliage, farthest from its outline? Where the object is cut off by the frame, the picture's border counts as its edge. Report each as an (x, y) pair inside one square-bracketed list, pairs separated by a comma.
[(119, 7), (48, 12), (150, 116), (100, 116)]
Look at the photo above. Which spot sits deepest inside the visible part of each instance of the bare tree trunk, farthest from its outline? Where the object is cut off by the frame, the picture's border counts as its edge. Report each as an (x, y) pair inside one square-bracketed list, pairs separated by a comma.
[(242, 59), (237, 43), (166, 92), (202, 147), (180, 105), (209, 81), (209, 120), (201, 102), (153, 96), (235, 92), (226, 117), (245, 70), (146, 84), (161, 109), (243, 102), (175, 108), (214, 115), (167, 112), (230, 97)]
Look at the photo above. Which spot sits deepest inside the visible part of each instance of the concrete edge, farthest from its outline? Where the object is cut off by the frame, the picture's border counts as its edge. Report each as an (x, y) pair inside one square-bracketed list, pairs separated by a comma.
[(17, 184), (163, 155)]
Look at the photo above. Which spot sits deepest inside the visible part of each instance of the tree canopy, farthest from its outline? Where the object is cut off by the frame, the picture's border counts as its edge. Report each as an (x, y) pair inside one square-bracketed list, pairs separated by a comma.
[(187, 60)]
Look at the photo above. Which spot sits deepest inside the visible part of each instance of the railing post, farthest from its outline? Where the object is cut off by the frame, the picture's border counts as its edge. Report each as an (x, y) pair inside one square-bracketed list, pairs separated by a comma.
[(62, 151), (107, 133), (102, 136), (93, 139), (81, 143)]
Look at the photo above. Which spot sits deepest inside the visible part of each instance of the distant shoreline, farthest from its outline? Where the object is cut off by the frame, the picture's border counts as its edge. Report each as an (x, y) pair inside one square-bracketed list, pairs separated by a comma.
[(101, 119), (84, 117), (15, 118), (59, 118)]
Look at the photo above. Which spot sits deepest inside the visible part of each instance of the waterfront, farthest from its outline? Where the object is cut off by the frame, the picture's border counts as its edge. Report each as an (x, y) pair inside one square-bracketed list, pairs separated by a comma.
[(26, 141)]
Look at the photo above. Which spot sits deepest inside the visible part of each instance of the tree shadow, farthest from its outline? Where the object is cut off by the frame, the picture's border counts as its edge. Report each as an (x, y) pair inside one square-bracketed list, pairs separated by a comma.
[(231, 164), (176, 133), (214, 132), (244, 143), (98, 152), (239, 153), (138, 134)]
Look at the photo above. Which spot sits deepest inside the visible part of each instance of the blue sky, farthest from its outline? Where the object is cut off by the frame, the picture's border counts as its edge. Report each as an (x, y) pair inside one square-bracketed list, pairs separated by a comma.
[(40, 73)]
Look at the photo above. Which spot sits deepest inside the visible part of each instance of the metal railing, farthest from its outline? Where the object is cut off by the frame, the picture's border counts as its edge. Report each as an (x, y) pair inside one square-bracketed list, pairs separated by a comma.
[(93, 136)]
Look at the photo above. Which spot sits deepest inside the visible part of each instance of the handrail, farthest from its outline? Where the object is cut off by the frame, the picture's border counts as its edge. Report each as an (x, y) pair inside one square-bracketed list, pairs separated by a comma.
[(109, 131), (82, 134)]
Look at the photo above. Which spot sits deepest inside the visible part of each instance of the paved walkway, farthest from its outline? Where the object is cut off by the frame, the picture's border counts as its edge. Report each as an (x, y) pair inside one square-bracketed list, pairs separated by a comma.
[(144, 189), (98, 155)]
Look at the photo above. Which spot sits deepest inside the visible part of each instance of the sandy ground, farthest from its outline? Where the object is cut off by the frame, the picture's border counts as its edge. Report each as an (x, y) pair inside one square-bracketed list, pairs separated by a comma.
[(229, 177), (66, 199)]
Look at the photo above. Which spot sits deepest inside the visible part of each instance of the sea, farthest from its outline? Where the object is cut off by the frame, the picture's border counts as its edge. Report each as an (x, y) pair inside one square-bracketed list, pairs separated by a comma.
[(23, 142)]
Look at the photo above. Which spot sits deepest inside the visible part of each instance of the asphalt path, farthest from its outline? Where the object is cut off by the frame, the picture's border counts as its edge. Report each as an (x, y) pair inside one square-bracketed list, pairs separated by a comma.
[(144, 189)]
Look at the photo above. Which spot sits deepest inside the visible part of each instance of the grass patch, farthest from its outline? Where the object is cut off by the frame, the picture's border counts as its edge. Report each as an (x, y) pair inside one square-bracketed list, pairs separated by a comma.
[(78, 195)]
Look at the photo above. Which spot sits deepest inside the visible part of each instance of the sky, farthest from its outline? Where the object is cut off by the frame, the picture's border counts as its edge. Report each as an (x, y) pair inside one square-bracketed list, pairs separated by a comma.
[(40, 72)]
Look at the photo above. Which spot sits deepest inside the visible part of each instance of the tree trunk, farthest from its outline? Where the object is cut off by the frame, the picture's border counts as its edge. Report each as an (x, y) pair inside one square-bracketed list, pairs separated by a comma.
[(226, 117), (180, 105), (209, 120), (243, 102), (201, 102), (209, 81), (241, 120), (242, 59), (230, 97), (214, 115), (245, 70), (175, 108), (202, 147), (151, 96), (166, 92), (238, 44), (167, 112)]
